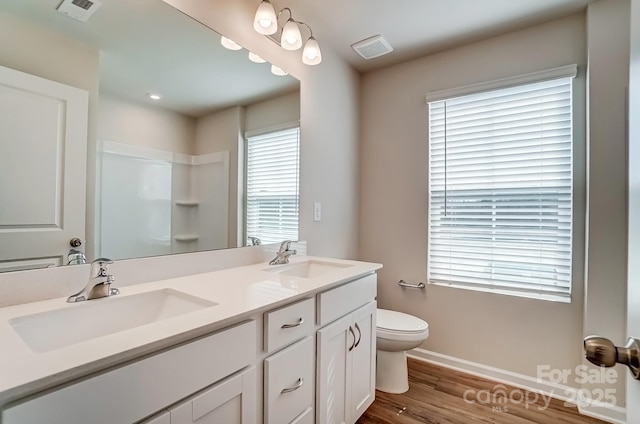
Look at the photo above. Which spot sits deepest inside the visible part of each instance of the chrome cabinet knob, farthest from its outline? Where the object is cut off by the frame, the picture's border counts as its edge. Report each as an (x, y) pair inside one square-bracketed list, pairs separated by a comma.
[(602, 352)]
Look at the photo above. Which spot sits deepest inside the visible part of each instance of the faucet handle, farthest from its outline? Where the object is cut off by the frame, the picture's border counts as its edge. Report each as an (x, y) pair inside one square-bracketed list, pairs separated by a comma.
[(102, 265), (285, 245)]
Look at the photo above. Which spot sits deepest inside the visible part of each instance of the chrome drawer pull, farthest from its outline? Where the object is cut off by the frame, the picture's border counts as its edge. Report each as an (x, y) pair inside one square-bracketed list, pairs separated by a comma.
[(294, 388), (353, 333), (300, 321), (359, 335)]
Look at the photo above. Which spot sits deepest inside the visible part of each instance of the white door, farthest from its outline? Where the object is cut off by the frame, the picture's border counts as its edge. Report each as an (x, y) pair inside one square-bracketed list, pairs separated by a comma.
[(633, 278), (43, 147)]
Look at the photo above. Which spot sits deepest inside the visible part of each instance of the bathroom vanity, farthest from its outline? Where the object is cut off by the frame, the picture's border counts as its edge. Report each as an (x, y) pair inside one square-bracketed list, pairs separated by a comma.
[(292, 343)]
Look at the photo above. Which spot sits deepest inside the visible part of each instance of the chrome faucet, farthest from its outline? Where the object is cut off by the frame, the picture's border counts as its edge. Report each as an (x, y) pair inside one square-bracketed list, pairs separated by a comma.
[(283, 254), (99, 283)]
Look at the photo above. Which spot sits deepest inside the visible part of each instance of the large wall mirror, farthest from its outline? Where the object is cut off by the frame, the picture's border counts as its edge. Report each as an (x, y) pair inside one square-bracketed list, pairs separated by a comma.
[(86, 153)]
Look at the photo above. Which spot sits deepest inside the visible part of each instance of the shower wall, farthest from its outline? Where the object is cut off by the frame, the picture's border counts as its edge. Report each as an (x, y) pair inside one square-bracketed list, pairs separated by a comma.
[(154, 202)]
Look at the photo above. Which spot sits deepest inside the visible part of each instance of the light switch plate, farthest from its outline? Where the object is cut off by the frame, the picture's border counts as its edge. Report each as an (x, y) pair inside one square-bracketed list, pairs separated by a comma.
[(317, 212)]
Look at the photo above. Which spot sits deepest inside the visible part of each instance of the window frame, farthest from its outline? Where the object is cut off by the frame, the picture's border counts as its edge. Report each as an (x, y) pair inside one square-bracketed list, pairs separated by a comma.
[(577, 253), (245, 154)]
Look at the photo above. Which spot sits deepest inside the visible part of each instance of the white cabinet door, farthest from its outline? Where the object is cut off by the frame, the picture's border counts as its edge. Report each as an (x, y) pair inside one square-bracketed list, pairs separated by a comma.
[(43, 149), (363, 361), (346, 367), (232, 401), (161, 418), (334, 342)]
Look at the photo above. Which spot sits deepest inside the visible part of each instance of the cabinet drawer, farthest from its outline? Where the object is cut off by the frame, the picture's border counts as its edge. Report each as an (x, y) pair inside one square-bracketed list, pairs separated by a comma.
[(338, 302), (289, 382), (288, 324), (134, 391)]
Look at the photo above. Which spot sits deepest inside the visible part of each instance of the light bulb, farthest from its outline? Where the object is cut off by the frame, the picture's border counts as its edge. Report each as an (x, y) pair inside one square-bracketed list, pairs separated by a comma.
[(230, 44), (278, 71), (255, 58), (311, 54), (154, 96), (291, 38), (265, 21)]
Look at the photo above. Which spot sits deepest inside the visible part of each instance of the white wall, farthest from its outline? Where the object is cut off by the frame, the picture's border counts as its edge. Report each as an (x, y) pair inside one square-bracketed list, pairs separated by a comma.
[(506, 332), (31, 49), (269, 113), (633, 297), (148, 126), (329, 126), (222, 132), (606, 279)]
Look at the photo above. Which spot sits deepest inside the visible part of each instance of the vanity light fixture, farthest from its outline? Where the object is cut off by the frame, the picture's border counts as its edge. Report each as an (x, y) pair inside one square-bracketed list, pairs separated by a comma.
[(266, 23), (229, 43), (291, 38), (255, 58), (154, 96), (278, 71), (311, 54)]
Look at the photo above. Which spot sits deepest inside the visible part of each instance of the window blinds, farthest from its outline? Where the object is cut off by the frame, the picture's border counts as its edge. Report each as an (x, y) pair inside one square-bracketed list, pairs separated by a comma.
[(500, 190), (272, 185)]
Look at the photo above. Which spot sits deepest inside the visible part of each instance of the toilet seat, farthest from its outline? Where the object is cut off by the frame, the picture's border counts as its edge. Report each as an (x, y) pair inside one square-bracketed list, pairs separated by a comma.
[(390, 322)]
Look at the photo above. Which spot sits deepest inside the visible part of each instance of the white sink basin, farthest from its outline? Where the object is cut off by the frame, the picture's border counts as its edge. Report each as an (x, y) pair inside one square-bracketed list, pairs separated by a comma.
[(308, 269), (88, 320)]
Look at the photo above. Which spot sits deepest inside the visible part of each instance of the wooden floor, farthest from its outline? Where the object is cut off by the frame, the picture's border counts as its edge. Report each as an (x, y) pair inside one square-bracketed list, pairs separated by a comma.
[(442, 396)]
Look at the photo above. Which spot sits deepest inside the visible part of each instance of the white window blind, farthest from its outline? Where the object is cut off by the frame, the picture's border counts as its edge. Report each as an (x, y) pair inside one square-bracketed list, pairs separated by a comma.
[(500, 190), (273, 185)]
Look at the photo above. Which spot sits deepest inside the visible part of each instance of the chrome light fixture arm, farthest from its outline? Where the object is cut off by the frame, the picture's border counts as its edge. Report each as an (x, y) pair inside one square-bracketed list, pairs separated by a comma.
[(289, 36)]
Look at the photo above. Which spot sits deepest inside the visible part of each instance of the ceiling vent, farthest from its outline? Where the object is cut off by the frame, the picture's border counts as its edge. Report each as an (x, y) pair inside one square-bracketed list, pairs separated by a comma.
[(79, 9), (372, 47)]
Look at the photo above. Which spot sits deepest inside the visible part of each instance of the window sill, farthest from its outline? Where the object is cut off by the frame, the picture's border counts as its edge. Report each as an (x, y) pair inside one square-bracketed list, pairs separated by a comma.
[(507, 292)]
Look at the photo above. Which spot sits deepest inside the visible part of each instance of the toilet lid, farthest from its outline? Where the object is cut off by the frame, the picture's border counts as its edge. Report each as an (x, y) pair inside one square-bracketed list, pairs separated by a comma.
[(398, 321)]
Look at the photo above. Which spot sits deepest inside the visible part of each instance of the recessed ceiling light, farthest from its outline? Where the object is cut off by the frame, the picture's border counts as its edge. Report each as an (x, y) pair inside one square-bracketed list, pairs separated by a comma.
[(154, 96)]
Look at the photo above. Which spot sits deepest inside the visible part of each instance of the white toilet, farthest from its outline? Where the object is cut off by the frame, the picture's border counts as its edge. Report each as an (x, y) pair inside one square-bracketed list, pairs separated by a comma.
[(396, 333)]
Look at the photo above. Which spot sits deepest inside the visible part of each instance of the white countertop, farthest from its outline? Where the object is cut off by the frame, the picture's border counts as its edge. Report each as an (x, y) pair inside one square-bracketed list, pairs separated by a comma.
[(238, 292)]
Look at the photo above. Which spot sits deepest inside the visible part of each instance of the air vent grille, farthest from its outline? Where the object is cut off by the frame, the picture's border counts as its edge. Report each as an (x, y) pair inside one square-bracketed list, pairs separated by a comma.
[(372, 47), (79, 9), (84, 4)]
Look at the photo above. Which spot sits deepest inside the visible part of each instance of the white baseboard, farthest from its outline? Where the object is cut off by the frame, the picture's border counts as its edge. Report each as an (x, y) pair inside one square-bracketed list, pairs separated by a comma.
[(605, 412)]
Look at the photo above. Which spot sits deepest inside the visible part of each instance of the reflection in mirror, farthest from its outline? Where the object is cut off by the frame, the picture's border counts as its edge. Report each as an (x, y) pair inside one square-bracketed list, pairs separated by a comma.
[(87, 153)]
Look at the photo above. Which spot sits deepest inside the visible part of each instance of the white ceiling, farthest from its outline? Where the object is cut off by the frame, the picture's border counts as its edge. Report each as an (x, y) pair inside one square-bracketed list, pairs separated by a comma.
[(196, 75), (147, 45), (415, 28)]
